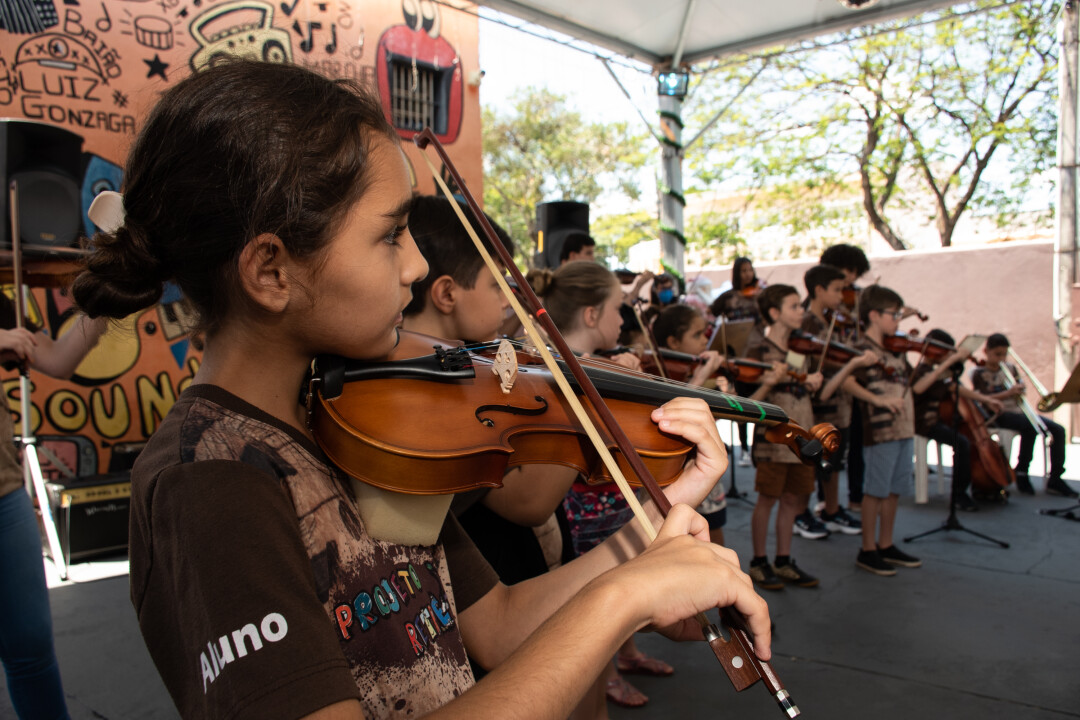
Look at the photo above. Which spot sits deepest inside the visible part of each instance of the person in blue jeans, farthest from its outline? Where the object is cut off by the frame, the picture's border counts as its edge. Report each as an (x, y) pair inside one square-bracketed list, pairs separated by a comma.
[(26, 640)]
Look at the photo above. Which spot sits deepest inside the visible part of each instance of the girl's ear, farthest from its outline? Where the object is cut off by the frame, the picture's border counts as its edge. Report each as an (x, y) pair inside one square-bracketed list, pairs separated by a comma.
[(590, 316), (264, 269)]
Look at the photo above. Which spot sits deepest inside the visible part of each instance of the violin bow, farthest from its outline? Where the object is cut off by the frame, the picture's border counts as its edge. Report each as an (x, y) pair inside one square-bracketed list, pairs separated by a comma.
[(736, 655), (650, 341), (828, 339)]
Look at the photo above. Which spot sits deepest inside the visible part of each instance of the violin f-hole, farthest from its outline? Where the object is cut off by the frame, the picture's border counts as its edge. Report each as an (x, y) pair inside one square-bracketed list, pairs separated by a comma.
[(512, 409)]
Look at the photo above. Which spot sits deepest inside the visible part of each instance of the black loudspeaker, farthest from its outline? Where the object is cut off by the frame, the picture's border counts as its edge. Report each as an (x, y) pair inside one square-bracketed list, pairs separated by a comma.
[(554, 221), (91, 514), (45, 162)]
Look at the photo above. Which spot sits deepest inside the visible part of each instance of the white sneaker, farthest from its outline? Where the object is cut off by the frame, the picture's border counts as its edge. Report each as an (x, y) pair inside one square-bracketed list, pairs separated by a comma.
[(744, 459)]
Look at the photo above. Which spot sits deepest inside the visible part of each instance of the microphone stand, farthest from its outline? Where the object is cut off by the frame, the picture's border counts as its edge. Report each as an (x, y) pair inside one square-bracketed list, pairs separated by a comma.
[(952, 523)]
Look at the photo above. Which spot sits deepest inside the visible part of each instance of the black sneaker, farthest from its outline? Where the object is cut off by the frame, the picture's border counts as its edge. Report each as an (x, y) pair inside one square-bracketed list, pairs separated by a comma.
[(870, 560), (965, 503), (1057, 486), (792, 574), (810, 527), (896, 556), (841, 522), (762, 574), (1023, 484)]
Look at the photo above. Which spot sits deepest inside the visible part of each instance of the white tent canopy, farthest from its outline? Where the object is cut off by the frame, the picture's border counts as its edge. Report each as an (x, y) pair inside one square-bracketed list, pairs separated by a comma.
[(697, 30)]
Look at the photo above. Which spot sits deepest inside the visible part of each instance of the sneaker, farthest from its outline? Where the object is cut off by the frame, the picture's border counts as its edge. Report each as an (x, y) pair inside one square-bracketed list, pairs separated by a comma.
[(763, 575), (841, 522), (1023, 484), (810, 527), (965, 503), (896, 556), (870, 560), (793, 574), (744, 459), (1057, 486)]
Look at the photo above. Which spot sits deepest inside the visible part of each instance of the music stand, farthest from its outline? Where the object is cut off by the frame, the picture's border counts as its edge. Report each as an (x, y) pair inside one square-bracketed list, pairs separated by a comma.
[(952, 523)]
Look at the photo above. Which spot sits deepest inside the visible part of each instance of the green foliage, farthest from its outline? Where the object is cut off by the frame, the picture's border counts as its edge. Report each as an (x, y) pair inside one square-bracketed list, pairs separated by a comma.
[(544, 151), (930, 116), (714, 238), (615, 234)]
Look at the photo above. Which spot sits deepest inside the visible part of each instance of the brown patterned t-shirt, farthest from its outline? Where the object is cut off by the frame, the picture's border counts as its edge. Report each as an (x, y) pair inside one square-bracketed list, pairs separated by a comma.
[(837, 409), (792, 397), (992, 382), (879, 424), (260, 595)]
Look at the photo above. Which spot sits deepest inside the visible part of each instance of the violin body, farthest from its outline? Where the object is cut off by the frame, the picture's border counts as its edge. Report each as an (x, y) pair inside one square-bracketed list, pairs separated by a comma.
[(990, 469), (464, 431)]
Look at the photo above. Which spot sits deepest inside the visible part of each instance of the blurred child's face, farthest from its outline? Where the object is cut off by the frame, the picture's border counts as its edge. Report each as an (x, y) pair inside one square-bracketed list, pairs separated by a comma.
[(693, 341), (610, 321), (480, 310), (997, 356), (887, 320), (791, 312), (831, 295), (746, 274)]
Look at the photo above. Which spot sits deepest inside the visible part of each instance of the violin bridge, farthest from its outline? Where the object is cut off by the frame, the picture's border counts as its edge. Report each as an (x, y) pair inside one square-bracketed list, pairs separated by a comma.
[(505, 366)]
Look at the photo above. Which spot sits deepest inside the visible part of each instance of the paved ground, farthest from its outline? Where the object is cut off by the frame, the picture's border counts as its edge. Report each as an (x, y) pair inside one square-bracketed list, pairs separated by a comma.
[(978, 632)]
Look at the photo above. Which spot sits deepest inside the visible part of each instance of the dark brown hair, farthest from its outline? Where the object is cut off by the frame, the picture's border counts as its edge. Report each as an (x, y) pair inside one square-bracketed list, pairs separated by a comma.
[(230, 153), (673, 322), (879, 298), (771, 298)]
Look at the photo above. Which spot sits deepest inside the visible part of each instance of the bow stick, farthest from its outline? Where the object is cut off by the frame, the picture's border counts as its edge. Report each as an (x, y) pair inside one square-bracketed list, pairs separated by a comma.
[(736, 656), (828, 339)]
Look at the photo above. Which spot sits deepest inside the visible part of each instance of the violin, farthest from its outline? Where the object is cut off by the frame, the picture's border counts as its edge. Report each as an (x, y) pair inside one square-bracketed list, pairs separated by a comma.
[(736, 655), (680, 366), (498, 407), (838, 353), (933, 350)]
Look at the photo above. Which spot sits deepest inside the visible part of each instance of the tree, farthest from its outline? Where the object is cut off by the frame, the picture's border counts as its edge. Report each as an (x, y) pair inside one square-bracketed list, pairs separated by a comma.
[(615, 234), (912, 115), (543, 150)]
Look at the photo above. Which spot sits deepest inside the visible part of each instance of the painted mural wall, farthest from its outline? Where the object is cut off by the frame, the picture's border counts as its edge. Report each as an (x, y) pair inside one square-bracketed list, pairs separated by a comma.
[(95, 67)]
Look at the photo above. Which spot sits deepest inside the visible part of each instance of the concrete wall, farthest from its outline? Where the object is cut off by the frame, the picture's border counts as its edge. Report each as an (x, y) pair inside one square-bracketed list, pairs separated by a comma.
[(994, 288)]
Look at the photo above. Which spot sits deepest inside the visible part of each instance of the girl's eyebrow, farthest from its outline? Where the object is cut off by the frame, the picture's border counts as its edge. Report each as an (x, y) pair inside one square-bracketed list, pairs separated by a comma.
[(401, 209)]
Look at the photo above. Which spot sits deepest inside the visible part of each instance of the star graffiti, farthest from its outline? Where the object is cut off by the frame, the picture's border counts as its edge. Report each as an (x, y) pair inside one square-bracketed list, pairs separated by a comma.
[(157, 67)]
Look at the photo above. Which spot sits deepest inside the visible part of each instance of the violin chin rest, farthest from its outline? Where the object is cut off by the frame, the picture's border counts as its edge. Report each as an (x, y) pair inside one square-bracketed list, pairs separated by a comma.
[(399, 518)]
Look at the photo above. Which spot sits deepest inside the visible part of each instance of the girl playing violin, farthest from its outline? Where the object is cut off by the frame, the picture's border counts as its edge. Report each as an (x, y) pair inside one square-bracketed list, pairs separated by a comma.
[(583, 299), (277, 201), (682, 328)]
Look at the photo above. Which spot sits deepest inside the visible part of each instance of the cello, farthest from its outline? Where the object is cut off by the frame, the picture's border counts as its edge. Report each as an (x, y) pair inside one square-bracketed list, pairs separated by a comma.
[(990, 469)]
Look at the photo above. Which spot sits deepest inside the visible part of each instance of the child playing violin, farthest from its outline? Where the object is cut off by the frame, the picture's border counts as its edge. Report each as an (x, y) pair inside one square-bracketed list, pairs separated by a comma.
[(932, 383), (887, 413), (583, 300), (851, 261), (990, 381), (460, 300), (682, 328), (824, 287), (277, 200), (740, 303), (780, 476)]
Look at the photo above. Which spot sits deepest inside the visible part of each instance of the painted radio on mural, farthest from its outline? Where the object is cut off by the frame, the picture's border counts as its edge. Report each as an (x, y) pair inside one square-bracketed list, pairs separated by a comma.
[(94, 68)]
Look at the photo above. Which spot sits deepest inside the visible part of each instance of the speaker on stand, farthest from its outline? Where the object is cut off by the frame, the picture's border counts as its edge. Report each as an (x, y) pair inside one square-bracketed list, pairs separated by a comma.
[(45, 161), (554, 221)]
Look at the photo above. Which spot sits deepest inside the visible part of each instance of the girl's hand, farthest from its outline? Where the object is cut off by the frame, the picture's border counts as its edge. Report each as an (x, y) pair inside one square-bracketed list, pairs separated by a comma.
[(775, 376), (19, 343), (692, 420), (681, 574), (814, 381), (626, 360), (893, 404), (706, 369)]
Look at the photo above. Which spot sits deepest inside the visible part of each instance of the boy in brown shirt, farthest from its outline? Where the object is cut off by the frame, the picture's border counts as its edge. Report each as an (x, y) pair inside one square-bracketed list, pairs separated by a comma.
[(888, 417), (780, 474)]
